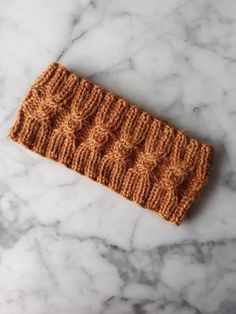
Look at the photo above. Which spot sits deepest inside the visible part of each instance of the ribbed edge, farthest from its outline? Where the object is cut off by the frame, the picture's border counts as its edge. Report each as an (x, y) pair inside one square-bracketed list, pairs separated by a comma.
[(98, 134)]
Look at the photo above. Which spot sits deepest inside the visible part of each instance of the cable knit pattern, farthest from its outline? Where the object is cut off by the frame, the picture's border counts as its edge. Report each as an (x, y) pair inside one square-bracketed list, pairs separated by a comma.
[(98, 134)]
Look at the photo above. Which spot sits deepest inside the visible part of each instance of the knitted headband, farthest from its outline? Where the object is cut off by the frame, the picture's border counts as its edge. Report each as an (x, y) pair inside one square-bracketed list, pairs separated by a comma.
[(98, 134)]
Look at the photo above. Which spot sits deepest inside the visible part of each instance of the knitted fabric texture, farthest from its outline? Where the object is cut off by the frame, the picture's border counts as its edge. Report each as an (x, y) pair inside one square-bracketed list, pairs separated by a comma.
[(98, 134)]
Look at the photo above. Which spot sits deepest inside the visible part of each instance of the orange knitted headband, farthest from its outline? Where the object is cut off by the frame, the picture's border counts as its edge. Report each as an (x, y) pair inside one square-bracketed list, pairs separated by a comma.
[(98, 134)]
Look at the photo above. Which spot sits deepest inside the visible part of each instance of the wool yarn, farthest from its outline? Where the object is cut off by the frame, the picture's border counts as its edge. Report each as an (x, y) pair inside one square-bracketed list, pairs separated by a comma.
[(69, 119)]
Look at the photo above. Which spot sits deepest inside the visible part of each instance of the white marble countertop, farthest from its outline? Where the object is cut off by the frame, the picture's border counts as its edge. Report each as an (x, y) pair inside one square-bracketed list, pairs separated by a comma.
[(69, 245)]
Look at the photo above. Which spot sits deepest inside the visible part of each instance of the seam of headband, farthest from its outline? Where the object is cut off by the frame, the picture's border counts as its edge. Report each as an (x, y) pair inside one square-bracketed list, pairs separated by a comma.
[(73, 121)]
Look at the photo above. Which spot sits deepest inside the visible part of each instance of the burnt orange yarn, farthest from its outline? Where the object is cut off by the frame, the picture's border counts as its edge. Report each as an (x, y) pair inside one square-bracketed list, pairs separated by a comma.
[(98, 134)]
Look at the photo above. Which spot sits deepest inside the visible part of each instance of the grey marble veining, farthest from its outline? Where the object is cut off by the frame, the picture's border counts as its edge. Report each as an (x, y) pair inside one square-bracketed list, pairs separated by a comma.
[(69, 245)]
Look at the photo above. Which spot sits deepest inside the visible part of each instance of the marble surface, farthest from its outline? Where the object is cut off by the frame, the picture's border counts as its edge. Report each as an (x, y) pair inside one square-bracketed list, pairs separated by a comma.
[(69, 245)]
